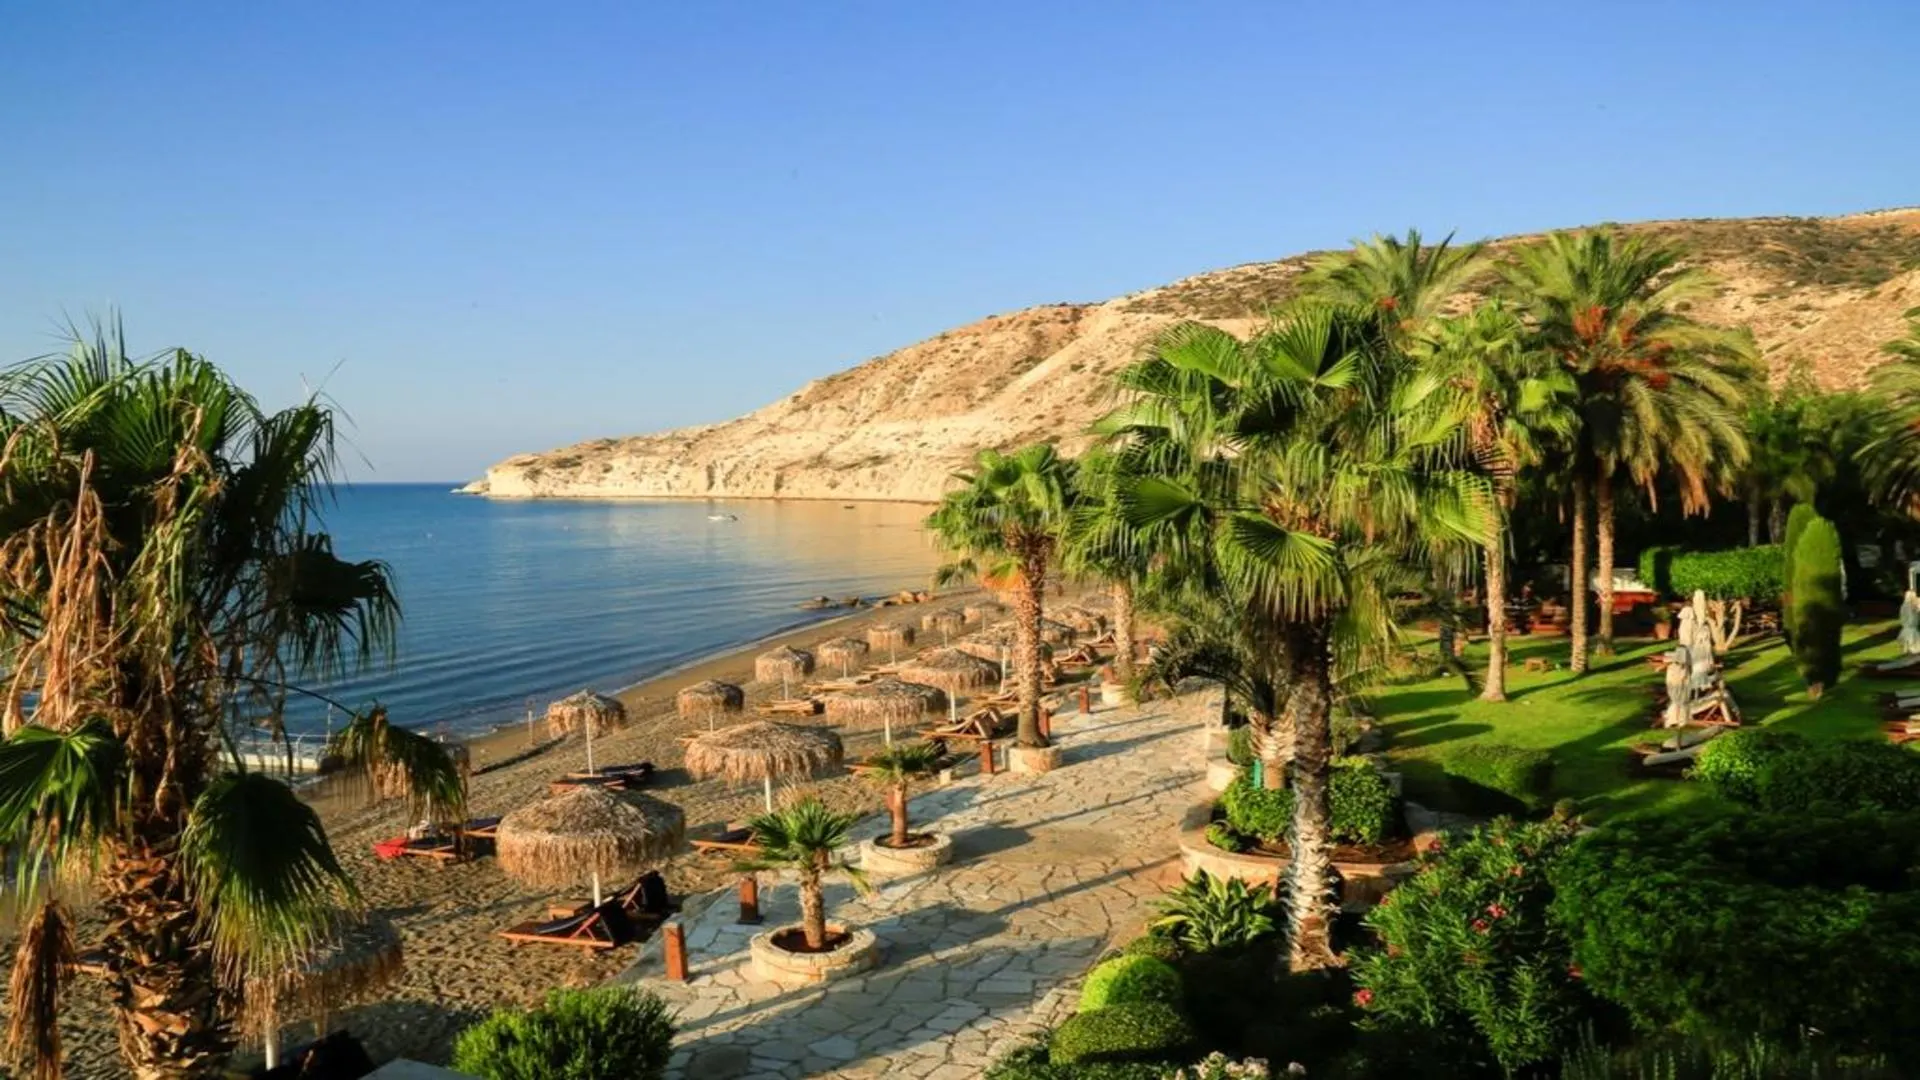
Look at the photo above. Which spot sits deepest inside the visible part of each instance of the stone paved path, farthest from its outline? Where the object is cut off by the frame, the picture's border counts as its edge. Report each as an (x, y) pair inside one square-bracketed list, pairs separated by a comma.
[(978, 955)]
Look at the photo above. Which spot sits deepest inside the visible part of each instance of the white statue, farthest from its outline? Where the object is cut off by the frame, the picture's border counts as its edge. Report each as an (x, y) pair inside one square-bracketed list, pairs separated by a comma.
[(1910, 624), (1679, 699), (1696, 651)]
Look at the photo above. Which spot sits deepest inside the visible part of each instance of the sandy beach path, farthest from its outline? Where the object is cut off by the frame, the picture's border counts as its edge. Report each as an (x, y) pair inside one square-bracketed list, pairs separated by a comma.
[(979, 955)]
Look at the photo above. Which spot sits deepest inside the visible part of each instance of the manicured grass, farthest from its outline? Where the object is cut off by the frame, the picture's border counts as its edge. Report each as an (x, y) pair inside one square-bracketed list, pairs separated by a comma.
[(1590, 722)]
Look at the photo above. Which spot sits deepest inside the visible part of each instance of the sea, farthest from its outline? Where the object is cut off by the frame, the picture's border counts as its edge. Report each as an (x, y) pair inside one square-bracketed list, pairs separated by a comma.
[(509, 604)]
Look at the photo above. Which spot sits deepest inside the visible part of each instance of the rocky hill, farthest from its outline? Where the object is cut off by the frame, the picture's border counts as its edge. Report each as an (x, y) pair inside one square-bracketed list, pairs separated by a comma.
[(1820, 292)]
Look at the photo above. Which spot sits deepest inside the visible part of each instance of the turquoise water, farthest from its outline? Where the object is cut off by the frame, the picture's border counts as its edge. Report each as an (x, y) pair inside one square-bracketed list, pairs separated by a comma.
[(506, 601)]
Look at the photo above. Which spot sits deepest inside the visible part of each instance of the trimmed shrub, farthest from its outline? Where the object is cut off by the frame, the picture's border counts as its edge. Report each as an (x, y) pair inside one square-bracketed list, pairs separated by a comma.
[(1139, 1031), (1817, 604), (1223, 836), (1654, 566), (1125, 979), (1797, 519), (607, 1033), (1841, 776), (1157, 945), (1738, 924), (1735, 574), (1363, 806), (1733, 764), (1030, 1062), (1495, 778), (1240, 746), (1470, 956), (1207, 913), (1257, 812)]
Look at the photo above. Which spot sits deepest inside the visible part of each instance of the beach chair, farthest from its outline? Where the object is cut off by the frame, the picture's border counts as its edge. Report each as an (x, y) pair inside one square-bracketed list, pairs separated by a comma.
[(646, 901), (735, 842), (611, 777), (790, 707), (604, 927), (481, 828), (441, 848), (981, 725)]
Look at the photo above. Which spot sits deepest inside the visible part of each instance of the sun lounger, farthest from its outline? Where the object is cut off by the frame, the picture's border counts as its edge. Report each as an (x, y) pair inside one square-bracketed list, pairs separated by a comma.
[(1898, 668), (833, 686), (612, 777), (735, 841), (983, 725), (791, 707), (481, 828), (604, 927), (645, 902), (441, 848)]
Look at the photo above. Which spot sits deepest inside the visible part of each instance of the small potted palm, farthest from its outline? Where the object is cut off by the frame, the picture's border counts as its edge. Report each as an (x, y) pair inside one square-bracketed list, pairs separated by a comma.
[(803, 838), (902, 851)]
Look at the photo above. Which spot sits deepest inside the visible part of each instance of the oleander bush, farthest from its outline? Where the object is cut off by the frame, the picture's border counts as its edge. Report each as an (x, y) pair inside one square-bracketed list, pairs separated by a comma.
[(606, 1033), (1138, 1031), (1130, 978), (1494, 778)]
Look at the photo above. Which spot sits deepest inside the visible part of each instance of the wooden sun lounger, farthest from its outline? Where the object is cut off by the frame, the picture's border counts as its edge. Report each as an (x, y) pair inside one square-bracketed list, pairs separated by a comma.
[(790, 707), (481, 828), (604, 927), (832, 686), (646, 901), (612, 777), (443, 848), (736, 841)]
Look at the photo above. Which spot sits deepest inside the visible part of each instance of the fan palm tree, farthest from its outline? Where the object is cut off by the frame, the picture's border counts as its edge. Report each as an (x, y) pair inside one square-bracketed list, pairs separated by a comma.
[(1097, 545), (895, 769), (1006, 521), (1656, 389), (1891, 457), (390, 757), (1519, 404), (803, 838), (1405, 282), (1314, 469), (162, 568)]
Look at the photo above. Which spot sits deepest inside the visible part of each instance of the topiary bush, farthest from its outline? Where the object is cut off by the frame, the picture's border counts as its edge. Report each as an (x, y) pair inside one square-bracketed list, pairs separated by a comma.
[(1257, 812), (1733, 924), (607, 1033), (1470, 956), (1733, 764), (1818, 606), (1797, 519), (1155, 944), (1138, 1031), (1494, 778), (1751, 573), (1836, 776), (1130, 978), (1363, 806)]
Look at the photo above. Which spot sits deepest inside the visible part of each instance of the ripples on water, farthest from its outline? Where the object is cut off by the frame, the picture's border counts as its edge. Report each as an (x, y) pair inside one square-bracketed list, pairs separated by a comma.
[(510, 600)]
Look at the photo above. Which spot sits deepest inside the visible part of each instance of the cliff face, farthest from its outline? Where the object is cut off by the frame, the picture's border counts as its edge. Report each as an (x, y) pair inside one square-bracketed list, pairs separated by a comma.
[(1823, 293)]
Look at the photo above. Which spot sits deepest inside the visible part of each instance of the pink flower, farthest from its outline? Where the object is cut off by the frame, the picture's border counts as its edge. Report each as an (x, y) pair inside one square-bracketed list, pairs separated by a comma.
[(1363, 997), (1479, 926), (1516, 871), (1498, 911), (1573, 971)]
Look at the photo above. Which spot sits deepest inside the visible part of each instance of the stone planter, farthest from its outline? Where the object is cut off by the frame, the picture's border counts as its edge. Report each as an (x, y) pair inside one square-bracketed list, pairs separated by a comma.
[(878, 858), (1363, 884), (783, 968), (1032, 759)]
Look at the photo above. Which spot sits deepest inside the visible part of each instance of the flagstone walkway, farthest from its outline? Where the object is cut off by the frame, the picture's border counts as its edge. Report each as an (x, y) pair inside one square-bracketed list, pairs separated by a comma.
[(1048, 872)]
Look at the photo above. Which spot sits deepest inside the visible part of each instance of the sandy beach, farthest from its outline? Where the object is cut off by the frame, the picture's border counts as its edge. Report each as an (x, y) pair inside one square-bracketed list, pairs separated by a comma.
[(456, 968)]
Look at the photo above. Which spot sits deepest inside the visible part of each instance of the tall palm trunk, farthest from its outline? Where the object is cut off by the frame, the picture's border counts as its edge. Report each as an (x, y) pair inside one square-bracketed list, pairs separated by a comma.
[(1310, 902), (1577, 574), (1777, 522), (1756, 517), (1273, 742), (897, 806), (1122, 590), (813, 909), (1603, 556), (1026, 645), (1495, 554), (163, 987)]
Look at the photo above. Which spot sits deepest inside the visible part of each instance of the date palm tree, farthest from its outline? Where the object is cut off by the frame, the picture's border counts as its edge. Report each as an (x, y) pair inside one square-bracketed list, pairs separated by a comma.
[(803, 838), (1406, 283), (895, 769), (1891, 457), (1518, 404), (1006, 521), (1656, 389), (1315, 469), (162, 568)]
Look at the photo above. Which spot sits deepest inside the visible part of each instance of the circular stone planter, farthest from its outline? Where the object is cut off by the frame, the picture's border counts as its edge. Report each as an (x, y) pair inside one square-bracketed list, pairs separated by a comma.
[(1113, 693), (1362, 884), (1032, 759), (878, 858), (860, 952)]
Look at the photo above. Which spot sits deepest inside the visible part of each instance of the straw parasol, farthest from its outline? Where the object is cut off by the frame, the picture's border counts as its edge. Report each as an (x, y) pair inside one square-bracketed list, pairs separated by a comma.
[(981, 610), (783, 665), (890, 636), (709, 699), (596, 714), (946, 623), (951, 670), (355, 959), (587, 832), (847, 652), (1082, 620), (883, 702), (765, 751)]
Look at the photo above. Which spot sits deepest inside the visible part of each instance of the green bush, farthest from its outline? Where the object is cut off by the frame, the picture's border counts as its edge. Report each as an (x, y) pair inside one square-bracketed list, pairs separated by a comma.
[(1223, 836), (1500, 779), (1240, 746), (1735, 574), (1797, 519), (1470, 954), (1733, 764), (1207, 913), (1139, 1031), (1363, 807), (1841, 776), (1030, 1062), (1732, 924), (607, 1033), (1755, 1059), (1654, 564), (1255, 811), (1818, 612), (1125, 979), (1157, 945)]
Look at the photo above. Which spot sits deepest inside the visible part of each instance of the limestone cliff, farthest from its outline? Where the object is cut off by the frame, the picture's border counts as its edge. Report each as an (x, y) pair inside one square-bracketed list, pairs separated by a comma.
[(1820, 292)]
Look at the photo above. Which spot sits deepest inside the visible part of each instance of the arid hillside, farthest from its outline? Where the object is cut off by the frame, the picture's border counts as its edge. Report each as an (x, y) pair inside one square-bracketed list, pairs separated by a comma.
[(1824, 293)]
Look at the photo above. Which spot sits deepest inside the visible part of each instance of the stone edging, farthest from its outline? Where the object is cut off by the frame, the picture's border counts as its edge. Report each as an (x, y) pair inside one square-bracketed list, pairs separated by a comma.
[(875, 858), (785, 968), (1365, 883)]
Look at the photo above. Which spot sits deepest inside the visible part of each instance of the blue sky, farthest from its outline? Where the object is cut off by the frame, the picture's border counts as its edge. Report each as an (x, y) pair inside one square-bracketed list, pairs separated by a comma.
[(511, 226)]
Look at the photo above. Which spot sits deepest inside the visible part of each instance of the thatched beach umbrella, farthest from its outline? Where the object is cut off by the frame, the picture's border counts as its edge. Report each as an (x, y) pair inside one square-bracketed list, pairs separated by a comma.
[(847, 652), (982, 610), (765, 751), (783, 665), (587, 712), (890, 636), (884, 702), (951, 670), (709, 698), (945, 623), (587, 832), (356, 958), (1081, 620)]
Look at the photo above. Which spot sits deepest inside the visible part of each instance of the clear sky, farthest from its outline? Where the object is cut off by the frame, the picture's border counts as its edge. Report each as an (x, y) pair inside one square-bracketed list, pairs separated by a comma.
[(511, 226)]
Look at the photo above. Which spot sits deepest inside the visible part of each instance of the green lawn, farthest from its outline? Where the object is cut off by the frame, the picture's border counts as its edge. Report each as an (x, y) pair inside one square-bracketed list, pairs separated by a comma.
[(1590, 722)]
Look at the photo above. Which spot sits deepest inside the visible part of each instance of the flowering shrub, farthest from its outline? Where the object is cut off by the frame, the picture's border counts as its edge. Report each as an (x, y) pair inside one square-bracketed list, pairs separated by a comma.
[(1218, 1066), (1468, 948)]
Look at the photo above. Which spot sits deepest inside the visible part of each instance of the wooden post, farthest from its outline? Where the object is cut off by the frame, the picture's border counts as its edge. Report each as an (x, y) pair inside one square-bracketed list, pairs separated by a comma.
[(674, 937), (1046, 723), (749, 900), (986, 757), (1086, 701)]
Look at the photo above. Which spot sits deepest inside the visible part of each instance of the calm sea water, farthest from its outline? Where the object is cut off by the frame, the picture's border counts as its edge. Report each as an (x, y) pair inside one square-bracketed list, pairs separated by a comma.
[(510, 601)]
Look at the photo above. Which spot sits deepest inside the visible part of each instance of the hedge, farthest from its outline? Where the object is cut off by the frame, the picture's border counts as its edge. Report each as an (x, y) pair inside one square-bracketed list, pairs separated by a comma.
[(1818, 612), (1735, 764), (1754, 573), (1129, 978), (1139, 1031), (1498, 778), (1782, 772), (1364, 808)]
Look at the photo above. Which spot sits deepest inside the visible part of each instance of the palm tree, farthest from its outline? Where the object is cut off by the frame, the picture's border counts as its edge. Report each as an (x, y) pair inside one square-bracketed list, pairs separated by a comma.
[(1316, 471), (392, 757), (162, 568), (803, 838), (1656, 389), (1406, 283), (895, 768), (1518, 404), (1006, 521), (1098, 545), (1891, 458)]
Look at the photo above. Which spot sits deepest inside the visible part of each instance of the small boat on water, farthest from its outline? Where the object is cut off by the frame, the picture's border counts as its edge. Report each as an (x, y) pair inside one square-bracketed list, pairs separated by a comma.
[(722, 517)]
